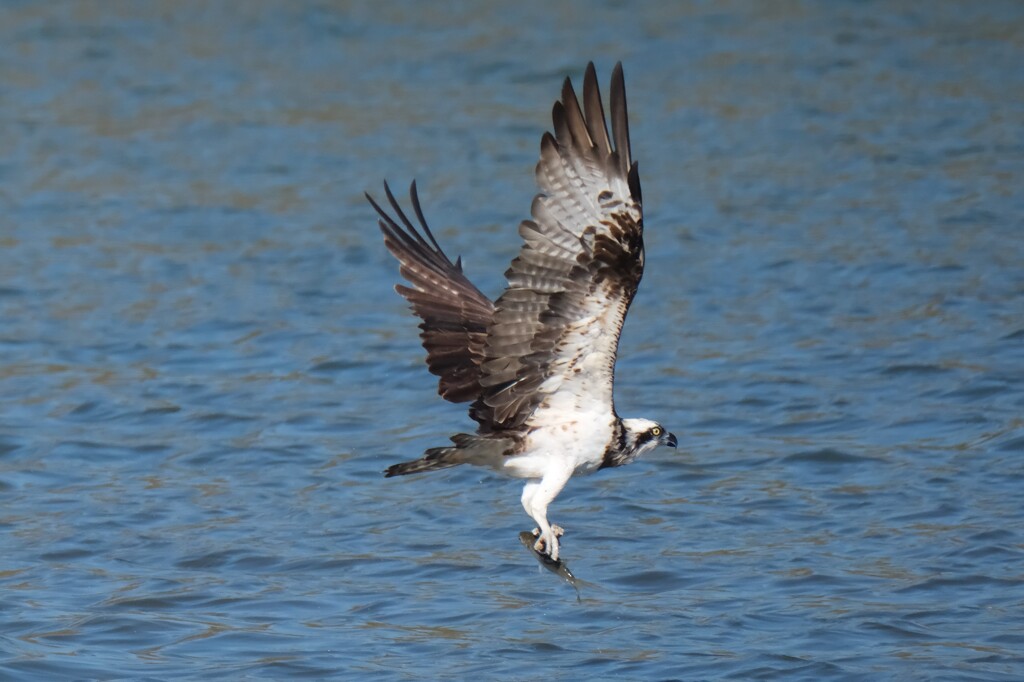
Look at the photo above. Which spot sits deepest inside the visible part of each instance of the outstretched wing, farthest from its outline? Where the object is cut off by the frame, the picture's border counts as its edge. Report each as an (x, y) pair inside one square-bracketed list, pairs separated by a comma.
[(555, 330), (455, 314)]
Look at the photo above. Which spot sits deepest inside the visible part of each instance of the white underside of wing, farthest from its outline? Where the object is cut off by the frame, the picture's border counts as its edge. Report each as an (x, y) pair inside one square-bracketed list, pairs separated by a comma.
[(582, 370)]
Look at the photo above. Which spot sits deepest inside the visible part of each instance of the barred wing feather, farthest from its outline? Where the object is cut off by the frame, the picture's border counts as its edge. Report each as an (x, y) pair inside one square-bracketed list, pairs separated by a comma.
[(455, 313), (554, 332)]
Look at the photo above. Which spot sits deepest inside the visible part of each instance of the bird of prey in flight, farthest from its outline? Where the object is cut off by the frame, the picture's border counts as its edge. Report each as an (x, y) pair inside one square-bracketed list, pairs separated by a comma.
[(538, 364)]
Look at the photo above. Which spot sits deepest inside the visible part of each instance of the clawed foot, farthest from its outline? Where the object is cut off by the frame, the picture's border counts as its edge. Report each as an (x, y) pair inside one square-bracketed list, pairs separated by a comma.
[(548, 545), (555, 528)]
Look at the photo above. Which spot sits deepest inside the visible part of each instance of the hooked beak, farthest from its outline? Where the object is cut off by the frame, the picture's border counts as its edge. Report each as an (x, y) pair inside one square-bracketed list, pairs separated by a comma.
[(669, 439)]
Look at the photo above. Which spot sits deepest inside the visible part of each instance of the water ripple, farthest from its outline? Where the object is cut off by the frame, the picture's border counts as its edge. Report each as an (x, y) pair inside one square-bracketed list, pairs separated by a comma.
[(205, 368)]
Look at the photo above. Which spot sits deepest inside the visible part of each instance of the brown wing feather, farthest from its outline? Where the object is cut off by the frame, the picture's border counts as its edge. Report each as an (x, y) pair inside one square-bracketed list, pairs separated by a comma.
[(556, 327), (455, 313)]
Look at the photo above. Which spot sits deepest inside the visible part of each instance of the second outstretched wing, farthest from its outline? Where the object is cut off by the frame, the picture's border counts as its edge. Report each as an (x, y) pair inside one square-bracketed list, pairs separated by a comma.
[(455, 313), (555, 330)]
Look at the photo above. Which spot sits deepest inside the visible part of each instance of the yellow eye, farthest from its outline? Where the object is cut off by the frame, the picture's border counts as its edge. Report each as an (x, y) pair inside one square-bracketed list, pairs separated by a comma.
[(656, 431)]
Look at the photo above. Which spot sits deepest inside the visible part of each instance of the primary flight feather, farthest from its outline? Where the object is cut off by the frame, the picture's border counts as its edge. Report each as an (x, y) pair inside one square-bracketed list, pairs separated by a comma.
[(538, 364)]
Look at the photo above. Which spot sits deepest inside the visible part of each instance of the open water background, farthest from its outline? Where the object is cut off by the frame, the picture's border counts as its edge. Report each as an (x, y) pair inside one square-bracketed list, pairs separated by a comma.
[(203, 369)]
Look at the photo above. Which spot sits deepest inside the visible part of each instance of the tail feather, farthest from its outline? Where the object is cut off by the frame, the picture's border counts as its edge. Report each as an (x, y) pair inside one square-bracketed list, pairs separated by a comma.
[(467, 448), (434, 459)]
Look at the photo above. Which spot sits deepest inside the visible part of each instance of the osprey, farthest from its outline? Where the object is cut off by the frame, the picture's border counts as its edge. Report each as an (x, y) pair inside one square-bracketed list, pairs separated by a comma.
[(538, 364)]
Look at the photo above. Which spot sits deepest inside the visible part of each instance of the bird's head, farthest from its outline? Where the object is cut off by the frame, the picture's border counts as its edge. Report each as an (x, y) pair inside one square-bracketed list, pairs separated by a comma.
[(642, 436)]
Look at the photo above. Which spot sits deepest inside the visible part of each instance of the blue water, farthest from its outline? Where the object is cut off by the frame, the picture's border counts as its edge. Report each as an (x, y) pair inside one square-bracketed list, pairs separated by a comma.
[(203, 368)]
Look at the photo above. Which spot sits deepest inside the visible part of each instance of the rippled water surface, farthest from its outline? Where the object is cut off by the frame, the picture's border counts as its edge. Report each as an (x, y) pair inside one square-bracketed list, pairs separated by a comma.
[(203, 368)]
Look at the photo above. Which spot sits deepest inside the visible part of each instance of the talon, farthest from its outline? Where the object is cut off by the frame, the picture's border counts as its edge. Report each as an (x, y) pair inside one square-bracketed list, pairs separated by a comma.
[(553, 551), (542, 547), (556, 529)]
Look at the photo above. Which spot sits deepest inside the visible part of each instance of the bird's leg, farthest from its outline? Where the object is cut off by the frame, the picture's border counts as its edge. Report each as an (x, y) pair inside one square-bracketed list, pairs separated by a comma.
[(537, 495), (529, 490)]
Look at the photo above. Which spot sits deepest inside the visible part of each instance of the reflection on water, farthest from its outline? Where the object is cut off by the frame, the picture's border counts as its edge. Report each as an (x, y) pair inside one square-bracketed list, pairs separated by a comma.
[(204, 370)]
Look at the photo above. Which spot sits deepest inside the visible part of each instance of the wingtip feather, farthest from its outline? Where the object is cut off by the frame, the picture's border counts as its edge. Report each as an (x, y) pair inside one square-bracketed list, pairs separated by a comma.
[(620, 119)]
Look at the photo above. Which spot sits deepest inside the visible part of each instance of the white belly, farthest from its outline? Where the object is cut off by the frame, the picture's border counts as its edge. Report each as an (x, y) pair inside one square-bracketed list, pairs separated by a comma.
[(576, 447)]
